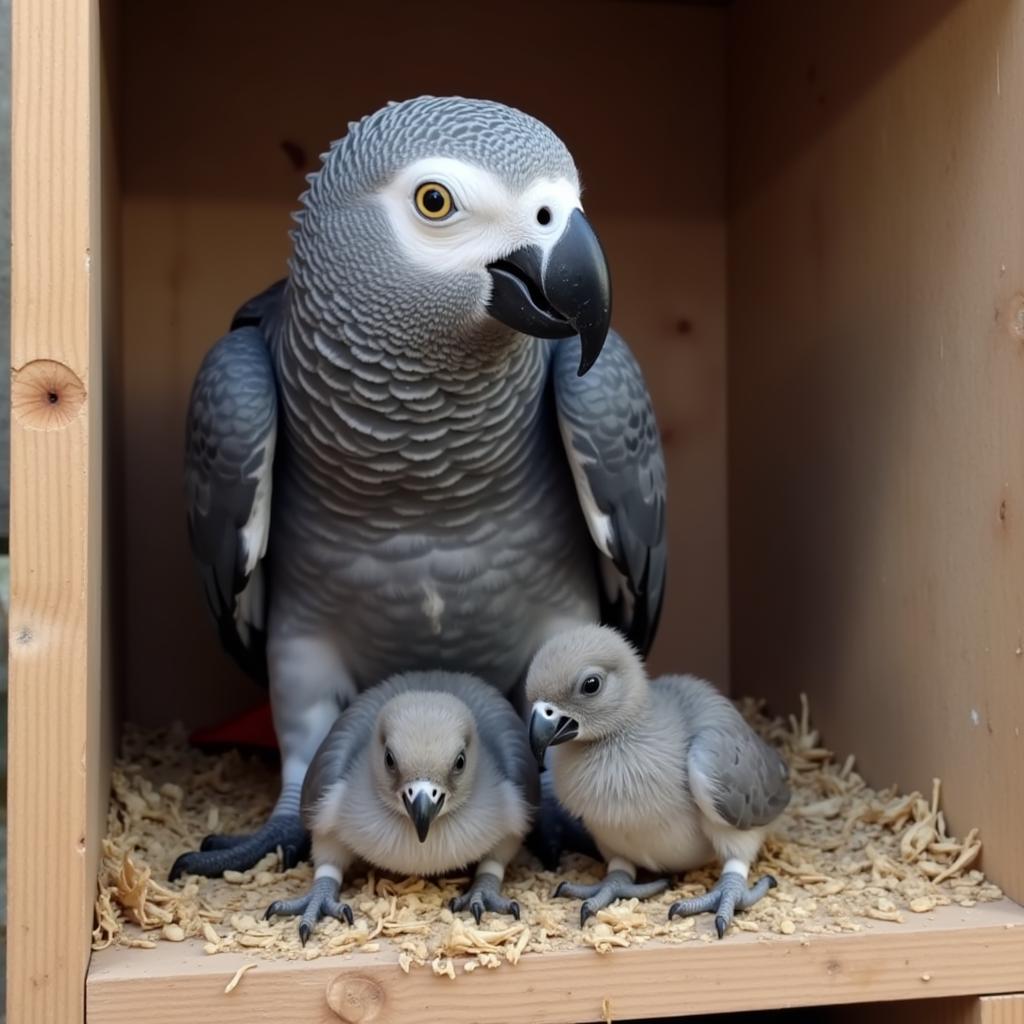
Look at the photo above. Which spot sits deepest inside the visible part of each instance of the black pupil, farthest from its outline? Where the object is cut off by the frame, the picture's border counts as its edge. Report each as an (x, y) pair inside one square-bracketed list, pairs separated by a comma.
[(591, 684), (543, 215), (433, 201)]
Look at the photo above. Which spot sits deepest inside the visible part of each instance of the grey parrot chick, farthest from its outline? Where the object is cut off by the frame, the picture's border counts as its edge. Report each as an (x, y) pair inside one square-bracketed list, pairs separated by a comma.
[(665, 773), (427, 773)]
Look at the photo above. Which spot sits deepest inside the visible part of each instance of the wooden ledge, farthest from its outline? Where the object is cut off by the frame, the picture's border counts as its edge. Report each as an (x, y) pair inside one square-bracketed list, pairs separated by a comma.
[(951, 952)]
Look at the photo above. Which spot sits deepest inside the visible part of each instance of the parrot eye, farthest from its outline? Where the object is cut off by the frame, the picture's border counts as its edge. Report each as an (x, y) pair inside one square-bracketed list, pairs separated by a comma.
[(590, 685), (460, 762), (544, 216), (434, 201), (389, 760)]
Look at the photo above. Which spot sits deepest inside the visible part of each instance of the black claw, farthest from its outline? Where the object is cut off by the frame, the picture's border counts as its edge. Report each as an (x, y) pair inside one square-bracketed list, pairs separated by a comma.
[(347, 911), (270, 911), (304, 932), (179, 867), (477, 911), (585, 911), (514, 909), (720, 925), (772, 881), (452, 904), (558, 890)]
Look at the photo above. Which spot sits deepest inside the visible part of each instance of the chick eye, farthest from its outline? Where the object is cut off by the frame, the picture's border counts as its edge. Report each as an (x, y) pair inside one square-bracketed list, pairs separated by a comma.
[(434, 201), (460, 762), (389, 760), (590, 685)]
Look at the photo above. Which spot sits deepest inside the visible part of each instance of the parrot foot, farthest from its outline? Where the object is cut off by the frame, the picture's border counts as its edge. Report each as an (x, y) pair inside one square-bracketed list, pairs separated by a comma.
[(729, 894), (616, 885), (220, 853), (484, 894), (321, 901)]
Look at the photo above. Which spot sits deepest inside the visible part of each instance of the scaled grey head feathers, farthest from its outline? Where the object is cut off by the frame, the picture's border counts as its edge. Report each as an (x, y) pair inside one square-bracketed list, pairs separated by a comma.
[(453, 227)]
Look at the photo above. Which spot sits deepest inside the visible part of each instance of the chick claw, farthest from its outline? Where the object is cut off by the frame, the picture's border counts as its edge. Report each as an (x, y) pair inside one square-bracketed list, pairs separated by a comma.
[(616, 885), (320, 901), (484, 894), (729, 894)]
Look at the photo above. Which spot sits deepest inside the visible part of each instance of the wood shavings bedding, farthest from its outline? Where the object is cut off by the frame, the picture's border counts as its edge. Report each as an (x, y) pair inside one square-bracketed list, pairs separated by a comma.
[(845, 856)]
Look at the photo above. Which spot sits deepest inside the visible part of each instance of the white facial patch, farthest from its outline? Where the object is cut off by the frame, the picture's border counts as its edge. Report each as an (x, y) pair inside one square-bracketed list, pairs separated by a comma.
[(488, 222), (549, 711)]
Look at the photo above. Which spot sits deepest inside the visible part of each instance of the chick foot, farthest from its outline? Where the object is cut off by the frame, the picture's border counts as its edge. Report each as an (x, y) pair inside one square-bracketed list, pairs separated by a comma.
[(729, 894), (321, 901), (484, 894), (616, 885), (239, 853)]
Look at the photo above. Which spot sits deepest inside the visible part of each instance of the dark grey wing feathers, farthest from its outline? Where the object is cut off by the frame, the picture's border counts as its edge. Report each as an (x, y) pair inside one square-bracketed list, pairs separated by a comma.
[(231, 432), (614, 450), (351, 732), (733, 774)]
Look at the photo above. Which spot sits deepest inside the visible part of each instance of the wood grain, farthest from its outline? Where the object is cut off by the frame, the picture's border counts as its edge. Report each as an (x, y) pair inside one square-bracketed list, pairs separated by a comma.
[(206, 216), (958, 953), (876, 362), (56, 511)]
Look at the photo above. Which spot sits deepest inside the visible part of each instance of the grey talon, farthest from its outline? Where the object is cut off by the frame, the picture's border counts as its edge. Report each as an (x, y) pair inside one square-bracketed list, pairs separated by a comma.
[(729, 895), (616, 885)]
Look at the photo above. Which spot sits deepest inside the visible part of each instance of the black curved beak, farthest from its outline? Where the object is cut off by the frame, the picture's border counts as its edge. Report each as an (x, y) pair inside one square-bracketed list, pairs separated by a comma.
[(570, 293), (422, 810), (548, 730)]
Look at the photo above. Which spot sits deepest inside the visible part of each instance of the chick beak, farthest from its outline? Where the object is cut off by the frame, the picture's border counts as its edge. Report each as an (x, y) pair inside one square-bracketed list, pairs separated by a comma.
[(423, 801), (549, 727)]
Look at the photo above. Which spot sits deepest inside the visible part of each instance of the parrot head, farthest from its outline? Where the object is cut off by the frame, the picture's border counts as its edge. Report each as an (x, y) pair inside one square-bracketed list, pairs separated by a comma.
[(584, 684), (425, 756), (452, 228)]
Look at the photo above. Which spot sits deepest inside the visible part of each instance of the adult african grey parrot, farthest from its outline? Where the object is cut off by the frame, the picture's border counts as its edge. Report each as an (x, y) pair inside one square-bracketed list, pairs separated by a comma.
[(405, 455)]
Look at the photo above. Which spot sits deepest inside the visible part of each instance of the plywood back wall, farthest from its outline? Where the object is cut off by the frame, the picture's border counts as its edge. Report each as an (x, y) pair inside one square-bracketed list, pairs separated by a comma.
[(227, 105), (876, 380)]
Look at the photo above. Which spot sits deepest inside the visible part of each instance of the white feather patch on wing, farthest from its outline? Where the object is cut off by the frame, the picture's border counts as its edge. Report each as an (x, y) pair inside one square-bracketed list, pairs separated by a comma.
[(599, 524), (250, 606), (255, 533)]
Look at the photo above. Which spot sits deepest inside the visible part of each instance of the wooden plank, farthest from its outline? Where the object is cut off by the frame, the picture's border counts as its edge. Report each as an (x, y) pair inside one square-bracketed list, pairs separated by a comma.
[(876, 424), (56, 472), (206, 217), (959, 952)]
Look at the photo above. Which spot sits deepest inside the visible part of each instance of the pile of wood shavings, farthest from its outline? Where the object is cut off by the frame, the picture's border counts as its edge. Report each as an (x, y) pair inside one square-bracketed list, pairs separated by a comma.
[(844, 855)]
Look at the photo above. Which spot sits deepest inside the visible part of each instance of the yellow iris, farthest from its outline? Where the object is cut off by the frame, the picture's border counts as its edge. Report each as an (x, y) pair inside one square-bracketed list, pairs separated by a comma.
[(434, 201)]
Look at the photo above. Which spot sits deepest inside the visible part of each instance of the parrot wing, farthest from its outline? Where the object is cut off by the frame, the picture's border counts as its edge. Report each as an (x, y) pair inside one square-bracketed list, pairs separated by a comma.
[(231, 432), (735, 777), (614, 450)]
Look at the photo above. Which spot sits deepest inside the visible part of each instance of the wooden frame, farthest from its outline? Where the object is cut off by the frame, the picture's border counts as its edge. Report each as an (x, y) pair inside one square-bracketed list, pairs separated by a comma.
[(58, 746), (812, 140), (955, 955)]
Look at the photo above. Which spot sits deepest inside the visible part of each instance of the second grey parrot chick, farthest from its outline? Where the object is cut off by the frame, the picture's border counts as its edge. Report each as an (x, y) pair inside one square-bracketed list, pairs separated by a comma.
[(665, 773), (427, 773)]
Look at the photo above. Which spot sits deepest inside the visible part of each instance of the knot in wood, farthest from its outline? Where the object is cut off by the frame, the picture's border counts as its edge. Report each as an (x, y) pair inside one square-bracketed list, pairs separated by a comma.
[(356, 1000), (46, 395)]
